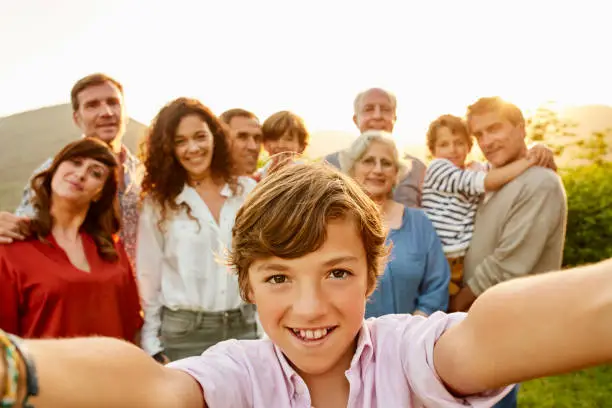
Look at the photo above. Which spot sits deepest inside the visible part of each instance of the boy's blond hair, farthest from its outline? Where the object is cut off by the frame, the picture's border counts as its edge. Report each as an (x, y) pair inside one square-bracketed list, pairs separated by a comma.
[(286, 216)]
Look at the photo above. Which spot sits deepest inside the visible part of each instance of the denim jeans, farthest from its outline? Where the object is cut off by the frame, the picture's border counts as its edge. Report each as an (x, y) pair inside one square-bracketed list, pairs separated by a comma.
[(510, 400), (186, 333)]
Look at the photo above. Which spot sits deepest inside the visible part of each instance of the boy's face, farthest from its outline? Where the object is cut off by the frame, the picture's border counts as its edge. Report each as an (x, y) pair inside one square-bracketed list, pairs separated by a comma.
[(313, 307), (453, 147), (286, 143)]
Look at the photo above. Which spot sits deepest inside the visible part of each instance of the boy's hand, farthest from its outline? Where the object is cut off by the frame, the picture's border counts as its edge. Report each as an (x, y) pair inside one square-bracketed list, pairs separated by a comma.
[(475, 166), (542, 156)]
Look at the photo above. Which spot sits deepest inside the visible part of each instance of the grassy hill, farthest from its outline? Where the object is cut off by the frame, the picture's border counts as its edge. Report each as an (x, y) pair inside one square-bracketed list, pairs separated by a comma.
[(29, 138)]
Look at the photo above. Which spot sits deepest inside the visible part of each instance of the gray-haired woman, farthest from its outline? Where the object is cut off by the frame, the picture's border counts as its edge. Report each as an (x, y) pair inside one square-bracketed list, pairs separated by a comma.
[(417, 274)]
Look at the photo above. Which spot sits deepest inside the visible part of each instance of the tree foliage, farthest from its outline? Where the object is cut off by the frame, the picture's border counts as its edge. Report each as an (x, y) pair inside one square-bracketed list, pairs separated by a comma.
[(546, 126), (589, 221)]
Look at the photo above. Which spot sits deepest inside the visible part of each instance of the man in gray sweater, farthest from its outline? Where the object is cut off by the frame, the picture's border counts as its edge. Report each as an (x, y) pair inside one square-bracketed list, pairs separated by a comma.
[(520, 229), (375, 109)]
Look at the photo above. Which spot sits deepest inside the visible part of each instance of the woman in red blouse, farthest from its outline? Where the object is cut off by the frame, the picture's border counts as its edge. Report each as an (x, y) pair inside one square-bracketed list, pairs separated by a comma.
[(71, 277)]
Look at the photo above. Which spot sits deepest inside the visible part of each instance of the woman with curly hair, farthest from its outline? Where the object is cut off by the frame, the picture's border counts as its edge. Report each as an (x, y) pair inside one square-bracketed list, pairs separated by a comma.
[(71, 277), (190, 298)]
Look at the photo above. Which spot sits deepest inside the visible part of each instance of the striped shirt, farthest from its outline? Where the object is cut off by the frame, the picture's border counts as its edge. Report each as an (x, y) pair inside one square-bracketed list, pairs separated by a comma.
[(450, 199)]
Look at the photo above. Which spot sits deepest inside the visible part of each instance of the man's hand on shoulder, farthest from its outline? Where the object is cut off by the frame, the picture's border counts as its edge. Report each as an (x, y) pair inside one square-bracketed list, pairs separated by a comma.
[(13, 227)]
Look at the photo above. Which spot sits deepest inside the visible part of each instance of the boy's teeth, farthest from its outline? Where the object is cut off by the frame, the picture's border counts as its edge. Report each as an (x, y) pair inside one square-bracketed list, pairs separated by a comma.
[(311, 334)]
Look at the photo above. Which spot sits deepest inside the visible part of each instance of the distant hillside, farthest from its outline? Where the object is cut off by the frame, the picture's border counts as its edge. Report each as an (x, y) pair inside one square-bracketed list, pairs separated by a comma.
[(29, 138), (588, 119)]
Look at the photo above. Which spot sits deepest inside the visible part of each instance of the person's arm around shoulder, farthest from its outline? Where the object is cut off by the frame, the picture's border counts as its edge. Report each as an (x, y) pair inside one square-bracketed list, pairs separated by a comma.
[(531, 327), (496, 178), (444, 176)]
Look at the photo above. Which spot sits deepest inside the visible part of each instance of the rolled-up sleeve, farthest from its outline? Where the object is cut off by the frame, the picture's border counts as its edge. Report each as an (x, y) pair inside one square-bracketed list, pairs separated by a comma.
[(419, 338), (223, 373)]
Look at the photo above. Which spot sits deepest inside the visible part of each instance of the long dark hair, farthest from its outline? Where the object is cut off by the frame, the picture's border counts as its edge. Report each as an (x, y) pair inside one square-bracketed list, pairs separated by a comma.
[(164, 176), (102, 221)]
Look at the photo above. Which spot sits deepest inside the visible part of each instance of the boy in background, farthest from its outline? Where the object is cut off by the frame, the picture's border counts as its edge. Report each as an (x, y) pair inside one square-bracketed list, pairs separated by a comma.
[(284, 136)]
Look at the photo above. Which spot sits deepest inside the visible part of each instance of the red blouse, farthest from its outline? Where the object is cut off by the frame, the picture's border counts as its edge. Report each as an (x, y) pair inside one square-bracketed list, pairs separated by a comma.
[(43, 295)]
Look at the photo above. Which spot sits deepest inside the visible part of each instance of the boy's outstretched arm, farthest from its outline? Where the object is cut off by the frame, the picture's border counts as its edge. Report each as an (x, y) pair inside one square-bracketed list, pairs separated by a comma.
[(530, 327), (105, 372)]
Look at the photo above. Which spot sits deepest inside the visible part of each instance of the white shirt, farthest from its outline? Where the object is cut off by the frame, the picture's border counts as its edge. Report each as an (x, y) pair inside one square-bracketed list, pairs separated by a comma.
[(182, 265)]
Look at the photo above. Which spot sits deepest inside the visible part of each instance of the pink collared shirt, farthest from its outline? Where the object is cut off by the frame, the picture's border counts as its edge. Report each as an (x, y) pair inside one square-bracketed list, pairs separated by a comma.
[(392, 367)]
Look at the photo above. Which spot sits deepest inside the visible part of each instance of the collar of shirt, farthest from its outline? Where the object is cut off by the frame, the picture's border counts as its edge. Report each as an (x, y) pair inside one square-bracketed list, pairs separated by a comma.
[(363, 356), (189, 194)]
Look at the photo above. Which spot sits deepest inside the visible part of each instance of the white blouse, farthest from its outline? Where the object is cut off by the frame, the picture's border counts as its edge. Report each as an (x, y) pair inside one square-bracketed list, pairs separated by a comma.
[(182, 265)]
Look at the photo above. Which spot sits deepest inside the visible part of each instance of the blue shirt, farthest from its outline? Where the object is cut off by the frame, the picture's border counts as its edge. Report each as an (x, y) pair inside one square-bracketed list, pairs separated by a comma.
[(417, 274)]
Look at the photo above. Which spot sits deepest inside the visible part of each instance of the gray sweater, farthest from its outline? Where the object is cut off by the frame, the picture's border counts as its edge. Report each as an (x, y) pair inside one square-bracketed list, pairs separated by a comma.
[(519, 230)]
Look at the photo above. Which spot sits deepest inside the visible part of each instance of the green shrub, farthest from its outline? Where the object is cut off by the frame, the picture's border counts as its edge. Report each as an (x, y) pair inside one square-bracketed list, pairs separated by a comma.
[(589, 223)]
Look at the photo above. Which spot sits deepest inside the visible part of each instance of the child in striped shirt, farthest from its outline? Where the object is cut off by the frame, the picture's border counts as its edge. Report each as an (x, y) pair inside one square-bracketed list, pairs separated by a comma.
[(452, 188)]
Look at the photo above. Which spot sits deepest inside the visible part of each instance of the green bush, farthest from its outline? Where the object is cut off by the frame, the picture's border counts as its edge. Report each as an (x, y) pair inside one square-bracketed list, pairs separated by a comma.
[(589, 223)]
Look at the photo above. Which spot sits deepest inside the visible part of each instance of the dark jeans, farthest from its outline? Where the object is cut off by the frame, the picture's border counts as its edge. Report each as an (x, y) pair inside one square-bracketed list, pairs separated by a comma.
[(510, 400)]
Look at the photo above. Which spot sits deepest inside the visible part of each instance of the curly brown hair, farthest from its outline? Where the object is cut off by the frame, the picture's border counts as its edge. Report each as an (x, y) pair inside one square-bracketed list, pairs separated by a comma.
[(102, 222), (164, 176)]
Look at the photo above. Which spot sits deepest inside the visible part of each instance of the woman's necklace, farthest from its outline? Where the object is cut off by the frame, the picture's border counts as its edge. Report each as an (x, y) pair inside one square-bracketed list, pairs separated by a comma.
[(197, 182)]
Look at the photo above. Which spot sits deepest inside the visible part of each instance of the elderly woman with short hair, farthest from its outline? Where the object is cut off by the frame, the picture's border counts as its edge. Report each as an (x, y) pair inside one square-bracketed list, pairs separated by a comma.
[(417, 274)]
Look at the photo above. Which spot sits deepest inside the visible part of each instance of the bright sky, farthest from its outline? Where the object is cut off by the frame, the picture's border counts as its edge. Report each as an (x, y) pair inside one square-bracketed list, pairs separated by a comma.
[(311, 56)]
